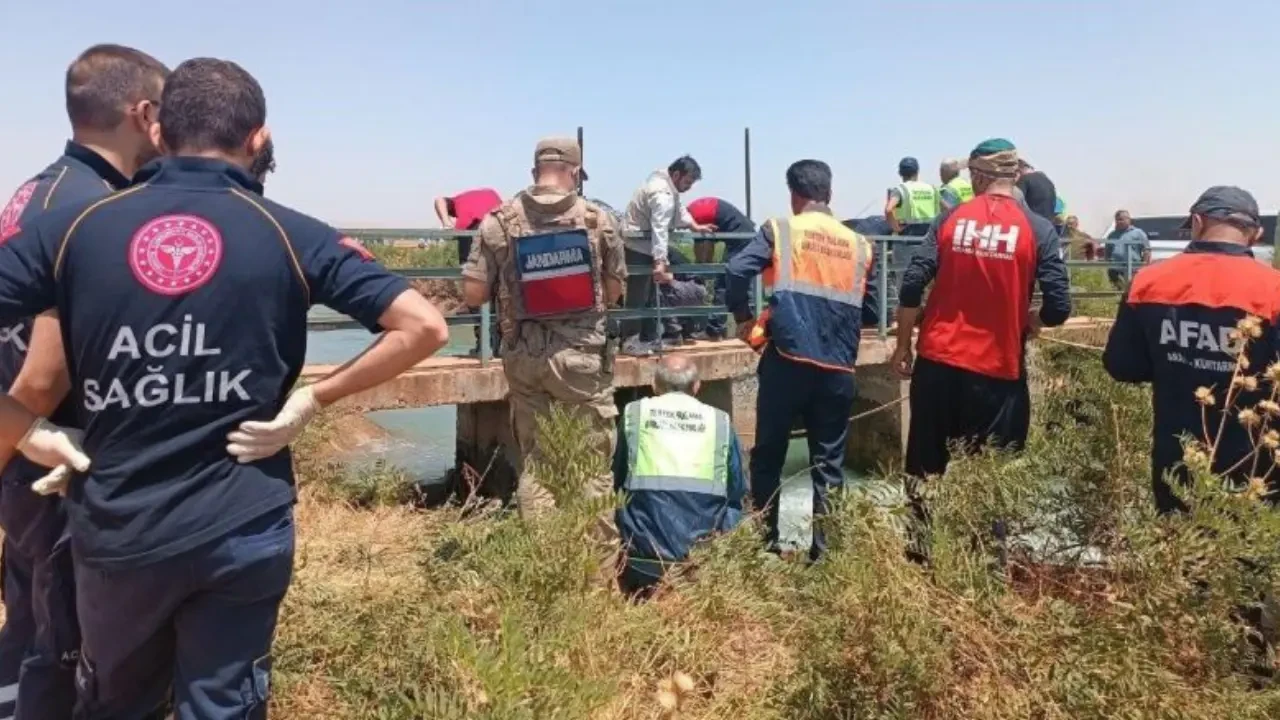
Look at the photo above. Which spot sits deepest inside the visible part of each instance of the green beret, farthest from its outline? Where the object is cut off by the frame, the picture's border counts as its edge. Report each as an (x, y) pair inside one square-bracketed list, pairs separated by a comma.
[(992, 147)]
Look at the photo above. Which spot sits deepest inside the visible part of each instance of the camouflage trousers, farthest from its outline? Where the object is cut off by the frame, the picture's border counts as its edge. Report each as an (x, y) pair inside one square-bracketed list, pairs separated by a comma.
[(558, 374)]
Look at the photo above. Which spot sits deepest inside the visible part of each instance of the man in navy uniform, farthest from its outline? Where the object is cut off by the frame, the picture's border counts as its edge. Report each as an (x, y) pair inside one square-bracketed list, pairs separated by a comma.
[(112, 96), (183, 302), (1174, 330)]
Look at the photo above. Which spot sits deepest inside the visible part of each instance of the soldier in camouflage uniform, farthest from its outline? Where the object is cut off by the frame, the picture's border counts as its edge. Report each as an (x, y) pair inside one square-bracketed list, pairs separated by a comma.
[(557, 262)]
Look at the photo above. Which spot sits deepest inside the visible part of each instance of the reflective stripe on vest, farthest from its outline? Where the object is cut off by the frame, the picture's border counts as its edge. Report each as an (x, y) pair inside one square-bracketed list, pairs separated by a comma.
[(962, 188), (816, 259), (919, 202), (677, 444)]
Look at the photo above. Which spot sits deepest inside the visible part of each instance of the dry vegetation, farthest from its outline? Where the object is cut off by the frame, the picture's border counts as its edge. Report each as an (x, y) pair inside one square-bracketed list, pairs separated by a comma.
[(400, 613)]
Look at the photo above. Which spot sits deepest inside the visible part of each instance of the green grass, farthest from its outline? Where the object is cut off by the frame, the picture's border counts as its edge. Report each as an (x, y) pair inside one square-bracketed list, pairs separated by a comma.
[(399, 613), (395, 257), (1092, 280)]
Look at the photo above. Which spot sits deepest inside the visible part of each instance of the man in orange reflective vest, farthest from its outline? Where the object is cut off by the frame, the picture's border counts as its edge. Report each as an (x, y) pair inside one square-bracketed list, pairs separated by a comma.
[(823, 292)]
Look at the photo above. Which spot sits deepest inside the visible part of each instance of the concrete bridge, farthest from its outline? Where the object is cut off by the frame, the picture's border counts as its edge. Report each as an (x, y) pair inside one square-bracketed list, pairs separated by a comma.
[(478, 387), (727, 368)]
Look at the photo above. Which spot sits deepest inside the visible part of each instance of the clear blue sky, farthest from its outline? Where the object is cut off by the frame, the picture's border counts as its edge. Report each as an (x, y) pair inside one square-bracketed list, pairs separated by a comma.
[(377, 106)]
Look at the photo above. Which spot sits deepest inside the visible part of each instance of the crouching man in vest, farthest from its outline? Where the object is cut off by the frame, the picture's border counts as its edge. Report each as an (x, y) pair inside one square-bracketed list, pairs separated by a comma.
[(680, 464), (557, 263)]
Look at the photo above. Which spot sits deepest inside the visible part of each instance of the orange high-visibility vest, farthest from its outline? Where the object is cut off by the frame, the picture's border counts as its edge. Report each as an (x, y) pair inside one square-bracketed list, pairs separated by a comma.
[(815, 258)]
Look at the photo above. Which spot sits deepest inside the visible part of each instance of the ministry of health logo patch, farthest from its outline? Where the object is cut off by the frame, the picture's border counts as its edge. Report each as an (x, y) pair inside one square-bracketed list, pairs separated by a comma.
[(175, 254), (13, 210)]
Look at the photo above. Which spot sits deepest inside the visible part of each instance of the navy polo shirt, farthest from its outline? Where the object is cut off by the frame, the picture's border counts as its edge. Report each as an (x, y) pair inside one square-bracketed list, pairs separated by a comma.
[(80, 175), (183, 302)]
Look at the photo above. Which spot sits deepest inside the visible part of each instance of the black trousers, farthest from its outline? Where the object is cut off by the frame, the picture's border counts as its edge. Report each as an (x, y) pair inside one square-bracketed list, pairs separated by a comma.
[(464, 249), (495, 337), (950, 405), (822, 400)]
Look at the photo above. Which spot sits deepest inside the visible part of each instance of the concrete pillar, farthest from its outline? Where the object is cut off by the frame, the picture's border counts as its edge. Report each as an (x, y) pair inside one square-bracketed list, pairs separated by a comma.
[(718, 394), (881, 438), (486, 448), (744, 410)]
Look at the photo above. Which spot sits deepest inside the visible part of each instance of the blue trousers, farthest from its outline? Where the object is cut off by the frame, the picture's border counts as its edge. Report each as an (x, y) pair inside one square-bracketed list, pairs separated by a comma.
[(40, 640), (202, 622), (822, 400)]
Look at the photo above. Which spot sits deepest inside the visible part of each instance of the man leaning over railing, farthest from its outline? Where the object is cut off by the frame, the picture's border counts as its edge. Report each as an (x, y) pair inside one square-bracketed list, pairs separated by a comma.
[(655, 211)]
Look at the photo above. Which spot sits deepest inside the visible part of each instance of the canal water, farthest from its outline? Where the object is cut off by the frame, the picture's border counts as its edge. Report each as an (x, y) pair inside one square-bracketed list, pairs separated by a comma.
[(422, 440)]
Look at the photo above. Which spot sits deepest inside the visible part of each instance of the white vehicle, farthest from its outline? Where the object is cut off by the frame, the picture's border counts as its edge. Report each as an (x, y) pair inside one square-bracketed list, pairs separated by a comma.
[(1168, 238)]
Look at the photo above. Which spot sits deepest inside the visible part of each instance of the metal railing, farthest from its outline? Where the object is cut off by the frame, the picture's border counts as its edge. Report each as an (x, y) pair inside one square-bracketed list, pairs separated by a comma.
[(890, 258)]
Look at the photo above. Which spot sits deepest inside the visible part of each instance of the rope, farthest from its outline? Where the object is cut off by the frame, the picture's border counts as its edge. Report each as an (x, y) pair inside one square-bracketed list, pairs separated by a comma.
[(904, 398), (861, 415), (1068, 343), (886, 406)]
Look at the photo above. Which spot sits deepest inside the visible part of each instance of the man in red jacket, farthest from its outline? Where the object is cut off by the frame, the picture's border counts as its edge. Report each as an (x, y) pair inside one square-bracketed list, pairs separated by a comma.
[(983, 257), (464, 211)]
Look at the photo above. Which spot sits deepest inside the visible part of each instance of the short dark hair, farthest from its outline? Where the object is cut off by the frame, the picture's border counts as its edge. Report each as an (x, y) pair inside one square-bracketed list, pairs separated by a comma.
[(810, 179), (210, 104), (265, 162), (105, 80), (686, 165)]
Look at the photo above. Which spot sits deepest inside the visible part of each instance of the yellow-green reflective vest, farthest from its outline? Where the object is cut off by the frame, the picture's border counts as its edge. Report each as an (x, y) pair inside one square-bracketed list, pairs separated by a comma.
[(677, 444), (961, 187), (919, 202)]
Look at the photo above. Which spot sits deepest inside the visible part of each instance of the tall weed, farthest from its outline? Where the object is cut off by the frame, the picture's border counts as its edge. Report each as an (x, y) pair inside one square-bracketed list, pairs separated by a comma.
[(1104, 610)]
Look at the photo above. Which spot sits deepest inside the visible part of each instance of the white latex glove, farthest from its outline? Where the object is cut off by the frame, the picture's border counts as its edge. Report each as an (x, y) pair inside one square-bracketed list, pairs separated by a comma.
[(255, 440), (55, 482), (57, 447), (50, 445)]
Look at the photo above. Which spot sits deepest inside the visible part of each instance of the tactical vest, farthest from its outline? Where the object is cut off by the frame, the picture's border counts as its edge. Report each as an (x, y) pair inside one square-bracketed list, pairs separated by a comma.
[(553, 268), (962, 188), (919, 202), (677, 444)]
